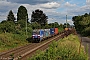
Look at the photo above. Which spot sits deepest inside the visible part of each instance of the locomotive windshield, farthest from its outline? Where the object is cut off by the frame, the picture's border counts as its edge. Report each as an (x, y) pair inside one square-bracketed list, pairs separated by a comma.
[(37, 32)]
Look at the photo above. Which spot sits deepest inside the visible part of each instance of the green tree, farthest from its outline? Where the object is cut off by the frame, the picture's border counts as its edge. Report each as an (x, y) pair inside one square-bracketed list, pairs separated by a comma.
[(7, 26), (86, 14), (22, 23), (76, 20), (56, 25), (47, 26), (35, 25), (61, 25), (68, 25), (82, 23), (22, 14), (10, 16), (39, 17)]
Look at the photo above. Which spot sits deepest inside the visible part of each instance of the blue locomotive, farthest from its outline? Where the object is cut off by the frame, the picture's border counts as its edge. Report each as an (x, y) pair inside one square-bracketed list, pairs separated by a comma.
[(41, 34)]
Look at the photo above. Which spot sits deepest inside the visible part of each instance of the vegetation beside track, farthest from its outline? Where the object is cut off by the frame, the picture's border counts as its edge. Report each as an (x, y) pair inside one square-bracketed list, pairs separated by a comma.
[(60, 29), (67, 48), (9, 41)]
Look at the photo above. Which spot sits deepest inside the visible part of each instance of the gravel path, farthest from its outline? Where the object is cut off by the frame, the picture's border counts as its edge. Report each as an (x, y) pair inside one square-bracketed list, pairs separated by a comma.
[(86, 42)]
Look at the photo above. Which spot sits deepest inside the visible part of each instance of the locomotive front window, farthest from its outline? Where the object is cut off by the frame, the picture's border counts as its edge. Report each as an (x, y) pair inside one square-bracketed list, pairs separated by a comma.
[(34, 33), (38, 32)]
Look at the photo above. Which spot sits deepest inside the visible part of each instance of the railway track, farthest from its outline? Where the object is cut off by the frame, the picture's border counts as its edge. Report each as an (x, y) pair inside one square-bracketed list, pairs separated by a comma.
[(26, 51)]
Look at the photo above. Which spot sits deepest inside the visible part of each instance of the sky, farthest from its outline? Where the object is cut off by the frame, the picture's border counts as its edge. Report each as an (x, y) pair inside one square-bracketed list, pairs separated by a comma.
[(56, 10)]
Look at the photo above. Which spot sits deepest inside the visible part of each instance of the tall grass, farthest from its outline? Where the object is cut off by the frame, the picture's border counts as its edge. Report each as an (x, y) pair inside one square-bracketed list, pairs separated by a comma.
[(64, 49), (9, 40)]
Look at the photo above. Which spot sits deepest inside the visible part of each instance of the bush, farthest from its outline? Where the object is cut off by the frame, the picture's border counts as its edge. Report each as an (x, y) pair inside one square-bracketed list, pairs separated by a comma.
[(8, 41), (86, 31), (7, 26), (64, 49)]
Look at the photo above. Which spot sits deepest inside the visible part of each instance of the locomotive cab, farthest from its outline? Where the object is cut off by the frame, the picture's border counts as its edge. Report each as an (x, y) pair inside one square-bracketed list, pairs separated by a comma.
[(37, 35)]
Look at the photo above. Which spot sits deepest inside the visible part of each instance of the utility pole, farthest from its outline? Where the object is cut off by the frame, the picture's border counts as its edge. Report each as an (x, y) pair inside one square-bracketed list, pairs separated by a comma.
[(26, 25), (66, 21)]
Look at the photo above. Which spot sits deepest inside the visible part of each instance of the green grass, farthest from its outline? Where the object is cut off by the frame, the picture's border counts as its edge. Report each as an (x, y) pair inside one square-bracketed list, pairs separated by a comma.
[(9, 41), (64, 49), (60, 29)]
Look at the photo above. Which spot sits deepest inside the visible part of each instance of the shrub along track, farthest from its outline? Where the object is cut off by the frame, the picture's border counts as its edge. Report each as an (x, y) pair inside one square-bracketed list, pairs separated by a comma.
[(26, 51)]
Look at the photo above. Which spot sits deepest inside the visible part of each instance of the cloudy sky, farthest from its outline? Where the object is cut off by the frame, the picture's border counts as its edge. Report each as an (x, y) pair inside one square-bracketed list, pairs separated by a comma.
[(56, 10)]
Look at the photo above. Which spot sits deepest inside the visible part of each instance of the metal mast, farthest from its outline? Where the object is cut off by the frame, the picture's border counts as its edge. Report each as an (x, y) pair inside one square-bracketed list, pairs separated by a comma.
[(66, 21), (26, 25)]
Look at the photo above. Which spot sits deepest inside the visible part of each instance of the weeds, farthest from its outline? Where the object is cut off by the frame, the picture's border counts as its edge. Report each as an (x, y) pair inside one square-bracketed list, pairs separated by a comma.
[(9, 41), (64, 49)]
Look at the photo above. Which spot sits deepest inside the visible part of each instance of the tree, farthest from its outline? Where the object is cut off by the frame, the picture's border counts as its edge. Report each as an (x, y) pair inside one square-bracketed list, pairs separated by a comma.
[(61, 25), (10, 16), (22, 14), (76, 20), (22, 23), (82, 23), (68, 25), (56, 25), (39, 17), (86, 14), (35, 25), (7, 26)]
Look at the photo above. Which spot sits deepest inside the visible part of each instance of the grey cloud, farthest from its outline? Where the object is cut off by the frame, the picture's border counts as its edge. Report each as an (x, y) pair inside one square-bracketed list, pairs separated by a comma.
[(88, 2), (81, 10), (32, 2), (6, 6)]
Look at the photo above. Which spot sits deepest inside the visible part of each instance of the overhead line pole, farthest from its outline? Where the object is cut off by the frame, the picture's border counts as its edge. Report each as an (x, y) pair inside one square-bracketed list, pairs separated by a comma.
[(26, 25), (66, 21)]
